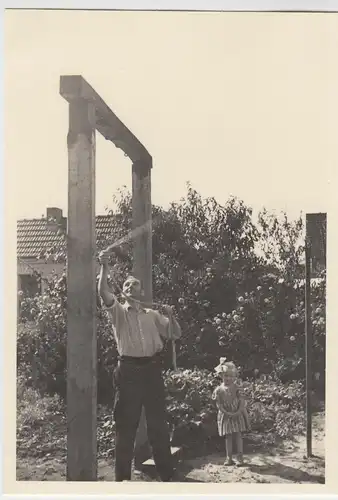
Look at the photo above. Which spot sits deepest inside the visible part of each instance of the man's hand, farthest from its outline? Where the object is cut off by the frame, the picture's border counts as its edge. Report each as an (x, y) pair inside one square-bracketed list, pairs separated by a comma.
[(175, 332), (168, 310), (104, 258), (105, 255)]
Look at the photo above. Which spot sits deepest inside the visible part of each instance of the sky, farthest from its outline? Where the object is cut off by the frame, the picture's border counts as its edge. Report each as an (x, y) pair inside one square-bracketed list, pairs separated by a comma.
[(241, 104)]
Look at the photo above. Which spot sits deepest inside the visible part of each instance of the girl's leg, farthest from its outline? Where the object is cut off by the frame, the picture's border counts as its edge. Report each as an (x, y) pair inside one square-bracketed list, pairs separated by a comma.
[(228, 444), (239, 446)]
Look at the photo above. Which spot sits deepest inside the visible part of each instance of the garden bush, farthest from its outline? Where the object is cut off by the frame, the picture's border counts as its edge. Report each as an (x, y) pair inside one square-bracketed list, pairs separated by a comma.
[(42, 425), (42, 337), (238, 290), (41, 428), (276, 412), (275, 409)]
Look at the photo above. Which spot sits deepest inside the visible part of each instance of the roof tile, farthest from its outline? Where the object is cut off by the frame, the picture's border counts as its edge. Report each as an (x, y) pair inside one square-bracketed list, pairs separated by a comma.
[(34, 237)]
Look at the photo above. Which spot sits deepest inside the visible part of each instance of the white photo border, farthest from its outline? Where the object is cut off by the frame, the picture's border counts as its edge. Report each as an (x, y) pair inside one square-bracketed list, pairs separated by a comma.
[(168, 5)]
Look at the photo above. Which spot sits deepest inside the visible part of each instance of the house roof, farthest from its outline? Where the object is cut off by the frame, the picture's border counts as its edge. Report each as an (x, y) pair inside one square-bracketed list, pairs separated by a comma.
[(35, 236)]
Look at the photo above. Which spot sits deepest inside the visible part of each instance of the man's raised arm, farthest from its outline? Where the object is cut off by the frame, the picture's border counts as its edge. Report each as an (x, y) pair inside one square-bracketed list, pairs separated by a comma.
[(105, 293)]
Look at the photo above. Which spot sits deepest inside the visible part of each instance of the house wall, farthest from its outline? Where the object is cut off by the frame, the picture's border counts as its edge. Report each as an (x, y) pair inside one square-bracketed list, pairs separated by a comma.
[(41, 267)]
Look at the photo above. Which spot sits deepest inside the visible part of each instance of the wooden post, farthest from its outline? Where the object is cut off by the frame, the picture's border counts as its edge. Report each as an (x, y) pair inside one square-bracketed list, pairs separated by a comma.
[(308, 345), (315, 263), (81, 297), (142, 216), (142, 268)]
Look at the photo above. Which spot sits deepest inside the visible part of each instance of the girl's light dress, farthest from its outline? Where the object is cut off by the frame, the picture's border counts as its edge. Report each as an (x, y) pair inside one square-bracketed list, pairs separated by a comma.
[(228, 399)]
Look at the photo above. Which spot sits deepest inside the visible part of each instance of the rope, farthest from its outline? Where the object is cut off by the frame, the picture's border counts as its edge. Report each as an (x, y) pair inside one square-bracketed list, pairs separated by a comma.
[(133, 233)]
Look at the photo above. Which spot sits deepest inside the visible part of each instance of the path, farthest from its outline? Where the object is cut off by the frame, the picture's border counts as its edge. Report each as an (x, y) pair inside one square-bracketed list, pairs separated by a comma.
[(285, 464)]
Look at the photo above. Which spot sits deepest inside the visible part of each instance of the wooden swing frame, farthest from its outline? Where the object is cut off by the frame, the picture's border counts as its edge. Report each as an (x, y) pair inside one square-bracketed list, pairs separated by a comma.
[(88, 113)]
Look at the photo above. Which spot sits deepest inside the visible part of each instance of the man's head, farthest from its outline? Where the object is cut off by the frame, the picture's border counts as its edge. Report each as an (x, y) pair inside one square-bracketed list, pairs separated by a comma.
[(132, 288)]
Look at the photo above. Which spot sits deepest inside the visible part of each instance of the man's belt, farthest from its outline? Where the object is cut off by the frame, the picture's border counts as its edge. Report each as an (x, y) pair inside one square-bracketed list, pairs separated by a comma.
[(142, 360)]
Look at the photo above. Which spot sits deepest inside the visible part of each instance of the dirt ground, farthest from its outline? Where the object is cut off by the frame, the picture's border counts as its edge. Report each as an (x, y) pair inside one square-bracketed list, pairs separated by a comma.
[(281, 464)]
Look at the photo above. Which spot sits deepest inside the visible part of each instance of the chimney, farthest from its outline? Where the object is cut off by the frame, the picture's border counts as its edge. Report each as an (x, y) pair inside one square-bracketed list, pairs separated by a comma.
[(54, 213), (55, 220)]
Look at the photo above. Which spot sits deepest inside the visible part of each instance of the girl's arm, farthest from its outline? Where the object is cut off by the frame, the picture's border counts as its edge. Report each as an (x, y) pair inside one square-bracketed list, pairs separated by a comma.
[(226, 413), (241, 405), (220, 405)]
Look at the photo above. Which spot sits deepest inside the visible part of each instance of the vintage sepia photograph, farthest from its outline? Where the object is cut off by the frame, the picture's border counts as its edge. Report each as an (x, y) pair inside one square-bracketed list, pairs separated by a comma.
[(171, 176)]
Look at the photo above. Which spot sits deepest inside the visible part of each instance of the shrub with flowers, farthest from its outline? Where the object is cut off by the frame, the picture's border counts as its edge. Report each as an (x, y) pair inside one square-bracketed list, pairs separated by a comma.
[(266, 329)]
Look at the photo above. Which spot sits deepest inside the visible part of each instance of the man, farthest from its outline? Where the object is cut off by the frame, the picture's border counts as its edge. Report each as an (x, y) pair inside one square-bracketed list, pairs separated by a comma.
[(139, 335)]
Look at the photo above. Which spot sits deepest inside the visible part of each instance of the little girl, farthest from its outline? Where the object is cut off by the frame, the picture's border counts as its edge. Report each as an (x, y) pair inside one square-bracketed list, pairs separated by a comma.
[(232, 418)]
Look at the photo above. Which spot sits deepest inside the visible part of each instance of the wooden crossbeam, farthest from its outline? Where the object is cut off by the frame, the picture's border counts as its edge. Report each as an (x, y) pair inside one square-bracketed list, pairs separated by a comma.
[(107, 123)]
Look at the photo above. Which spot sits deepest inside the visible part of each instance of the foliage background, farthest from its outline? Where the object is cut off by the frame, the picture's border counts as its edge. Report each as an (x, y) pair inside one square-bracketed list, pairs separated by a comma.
[(236, 282)]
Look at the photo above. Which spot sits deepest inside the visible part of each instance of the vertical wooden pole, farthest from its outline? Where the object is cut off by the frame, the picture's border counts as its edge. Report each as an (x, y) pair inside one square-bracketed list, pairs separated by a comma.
[(81, 298), (308, 345), (142, 215), (142, 268)]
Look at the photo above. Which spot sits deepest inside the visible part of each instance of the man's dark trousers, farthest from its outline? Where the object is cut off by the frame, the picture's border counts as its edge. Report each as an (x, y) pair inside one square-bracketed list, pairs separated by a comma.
[(139, 382)]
